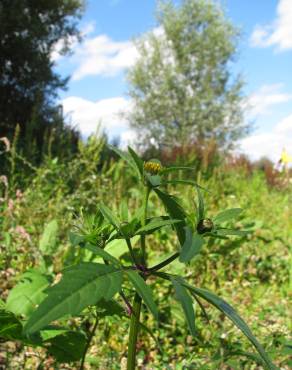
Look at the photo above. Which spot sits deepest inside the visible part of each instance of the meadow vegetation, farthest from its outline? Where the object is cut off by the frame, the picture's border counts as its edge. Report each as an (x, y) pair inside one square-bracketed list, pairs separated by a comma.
[(43, 213)]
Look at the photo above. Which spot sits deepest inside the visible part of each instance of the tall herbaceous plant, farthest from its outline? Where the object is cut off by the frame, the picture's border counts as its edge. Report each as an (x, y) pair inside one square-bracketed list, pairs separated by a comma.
[(95, 286)]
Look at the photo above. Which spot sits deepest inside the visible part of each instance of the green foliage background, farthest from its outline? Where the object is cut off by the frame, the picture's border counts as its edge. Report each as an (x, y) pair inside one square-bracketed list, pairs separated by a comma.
[(252, 272)]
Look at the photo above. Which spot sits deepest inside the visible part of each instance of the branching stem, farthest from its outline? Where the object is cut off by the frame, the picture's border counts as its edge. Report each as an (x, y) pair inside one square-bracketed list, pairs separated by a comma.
[(91, 335)]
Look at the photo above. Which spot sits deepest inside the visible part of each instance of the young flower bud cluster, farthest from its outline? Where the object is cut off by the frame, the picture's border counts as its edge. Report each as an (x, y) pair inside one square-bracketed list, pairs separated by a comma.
[(152, 167), (205, 225)]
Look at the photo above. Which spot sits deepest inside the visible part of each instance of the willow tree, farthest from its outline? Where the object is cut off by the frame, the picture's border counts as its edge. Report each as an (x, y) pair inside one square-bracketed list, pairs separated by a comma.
[(182, 86)]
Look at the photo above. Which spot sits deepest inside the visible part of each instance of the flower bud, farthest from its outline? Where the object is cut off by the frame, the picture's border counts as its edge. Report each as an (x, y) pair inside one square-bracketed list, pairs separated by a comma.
[(152, 167), (204, 226)]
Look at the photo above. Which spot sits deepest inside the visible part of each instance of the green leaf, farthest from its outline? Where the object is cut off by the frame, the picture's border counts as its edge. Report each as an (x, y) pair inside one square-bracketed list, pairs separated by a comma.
[(229, 311), (119, 247), (52, 332), (154, 180), (48, 241), (138, 161), (227, 215), (10, 326), (81, 286), (156, 224), (107, 214), (143, 290), (28, 293), (182, 295), (124, 211), (102, 253), (175, 211), (231, 232), (191, 247), (125, 156), (109, 308), (201, 208), (68, 346)]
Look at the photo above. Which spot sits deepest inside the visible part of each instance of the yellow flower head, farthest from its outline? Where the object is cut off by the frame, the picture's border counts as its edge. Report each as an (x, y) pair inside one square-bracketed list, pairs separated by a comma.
[(152, 167)]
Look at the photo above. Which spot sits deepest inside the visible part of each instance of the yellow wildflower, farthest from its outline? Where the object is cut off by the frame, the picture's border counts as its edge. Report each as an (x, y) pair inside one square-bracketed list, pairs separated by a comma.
[(152, 167)]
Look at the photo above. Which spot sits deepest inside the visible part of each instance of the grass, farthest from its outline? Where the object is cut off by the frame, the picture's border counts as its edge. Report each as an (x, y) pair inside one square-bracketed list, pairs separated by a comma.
[(253, 273)]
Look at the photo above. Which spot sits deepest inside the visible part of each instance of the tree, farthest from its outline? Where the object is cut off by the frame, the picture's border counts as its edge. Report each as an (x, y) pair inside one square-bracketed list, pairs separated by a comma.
[(30, 30), (181, 86)]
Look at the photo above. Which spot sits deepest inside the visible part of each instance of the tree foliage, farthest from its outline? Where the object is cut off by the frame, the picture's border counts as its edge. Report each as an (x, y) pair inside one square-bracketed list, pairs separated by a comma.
[(182, 86), (30, 30)]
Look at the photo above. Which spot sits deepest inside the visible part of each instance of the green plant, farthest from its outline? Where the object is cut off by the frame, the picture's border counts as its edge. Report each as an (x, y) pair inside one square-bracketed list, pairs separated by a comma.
[(91, 286)]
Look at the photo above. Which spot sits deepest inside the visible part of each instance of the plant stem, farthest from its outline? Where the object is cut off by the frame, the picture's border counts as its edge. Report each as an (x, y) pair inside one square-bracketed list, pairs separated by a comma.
[(91, 334), (164, 263), (143, 223), (133, 336), (135, 318), (128, 241)]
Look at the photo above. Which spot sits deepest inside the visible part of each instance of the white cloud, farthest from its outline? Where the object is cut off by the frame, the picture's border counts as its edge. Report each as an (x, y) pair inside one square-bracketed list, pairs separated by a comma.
[(72, 42), (279, 32), (88, 115), (269, 144), (103, 56), (261, 101)]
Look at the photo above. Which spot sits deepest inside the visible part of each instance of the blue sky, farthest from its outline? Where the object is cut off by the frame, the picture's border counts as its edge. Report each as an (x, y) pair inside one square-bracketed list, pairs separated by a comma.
[(97, 89)]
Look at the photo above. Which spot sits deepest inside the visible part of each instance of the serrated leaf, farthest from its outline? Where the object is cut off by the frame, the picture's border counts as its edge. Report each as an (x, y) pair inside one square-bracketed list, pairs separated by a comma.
[(175, 211), (48, 241), (229, 311), (155, 225), (81, 286), (28, 293), (182, 295), (227, 215), (191, 247), (143, 290), (10, 326)]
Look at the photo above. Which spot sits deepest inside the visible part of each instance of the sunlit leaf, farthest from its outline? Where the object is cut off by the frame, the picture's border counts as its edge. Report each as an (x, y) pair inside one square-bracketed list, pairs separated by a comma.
[(138, 161), (81, 286), (191, 247), (102, 253), (28, 293), (10, 326), (67, 347), (156, 224), (143, 290), (201, 208), (227, 215), (229, 311), (175, 211), (182, 295), (107, 213), (48, 241)]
